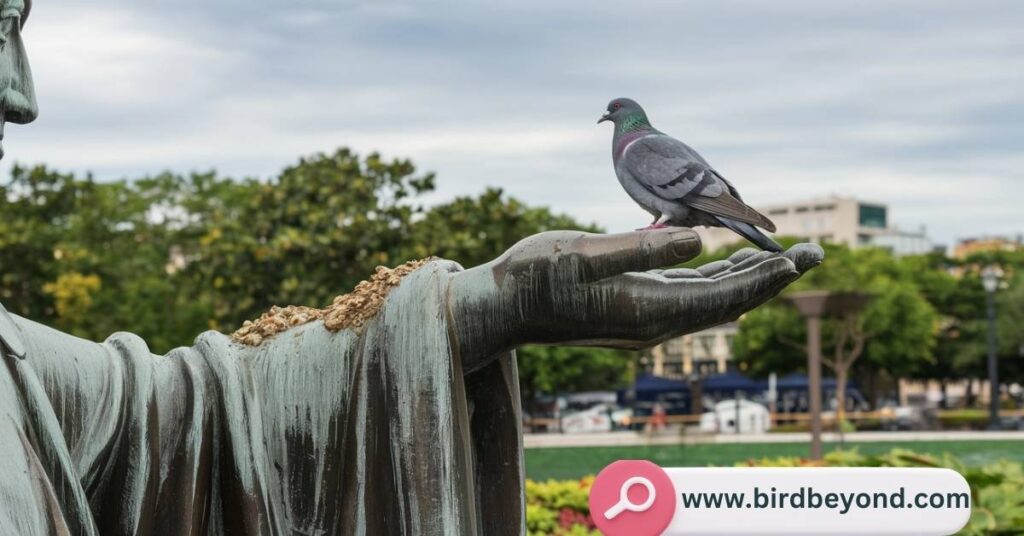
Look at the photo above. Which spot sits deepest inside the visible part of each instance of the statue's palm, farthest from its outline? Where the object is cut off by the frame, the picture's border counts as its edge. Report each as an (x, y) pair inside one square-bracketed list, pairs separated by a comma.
[(580, 288)]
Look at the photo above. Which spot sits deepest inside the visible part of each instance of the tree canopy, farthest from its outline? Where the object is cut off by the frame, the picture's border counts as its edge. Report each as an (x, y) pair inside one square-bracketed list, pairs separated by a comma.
[(896, 331), (172, 255)]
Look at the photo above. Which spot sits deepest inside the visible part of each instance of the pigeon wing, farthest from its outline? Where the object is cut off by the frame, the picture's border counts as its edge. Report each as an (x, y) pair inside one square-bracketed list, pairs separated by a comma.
[(729, 206), (672, 170)]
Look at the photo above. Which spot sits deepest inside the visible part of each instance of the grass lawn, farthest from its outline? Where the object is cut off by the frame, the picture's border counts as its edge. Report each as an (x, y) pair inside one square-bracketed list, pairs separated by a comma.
[(575, 462)]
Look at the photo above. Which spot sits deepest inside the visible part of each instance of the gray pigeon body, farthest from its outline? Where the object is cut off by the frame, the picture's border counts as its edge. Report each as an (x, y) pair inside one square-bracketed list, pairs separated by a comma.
[(673, 182)]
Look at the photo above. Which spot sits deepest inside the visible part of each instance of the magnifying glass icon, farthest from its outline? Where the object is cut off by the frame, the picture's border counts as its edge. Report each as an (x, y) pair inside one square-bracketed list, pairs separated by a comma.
[(624, 502)]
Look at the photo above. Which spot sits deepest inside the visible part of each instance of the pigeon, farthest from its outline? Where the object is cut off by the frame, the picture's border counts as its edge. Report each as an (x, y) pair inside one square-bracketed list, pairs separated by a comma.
[(675, 184)]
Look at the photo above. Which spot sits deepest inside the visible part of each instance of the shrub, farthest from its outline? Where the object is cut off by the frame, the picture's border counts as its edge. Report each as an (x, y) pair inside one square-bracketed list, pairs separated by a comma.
[(559, 508), (964, 419)]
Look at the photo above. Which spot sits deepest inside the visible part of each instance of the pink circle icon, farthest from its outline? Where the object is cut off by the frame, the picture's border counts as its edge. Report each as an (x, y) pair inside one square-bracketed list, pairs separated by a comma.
[(632, 498)]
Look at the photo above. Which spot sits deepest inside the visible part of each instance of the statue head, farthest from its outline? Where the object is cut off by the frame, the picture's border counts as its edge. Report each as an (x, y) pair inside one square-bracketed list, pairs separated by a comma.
[(17, 95)]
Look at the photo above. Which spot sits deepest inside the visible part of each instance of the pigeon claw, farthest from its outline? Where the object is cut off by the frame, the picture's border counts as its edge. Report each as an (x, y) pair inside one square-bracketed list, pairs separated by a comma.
[(653, 226)]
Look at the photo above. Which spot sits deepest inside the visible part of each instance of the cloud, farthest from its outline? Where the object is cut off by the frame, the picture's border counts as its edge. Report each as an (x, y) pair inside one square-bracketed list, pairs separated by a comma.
[(916, 104)]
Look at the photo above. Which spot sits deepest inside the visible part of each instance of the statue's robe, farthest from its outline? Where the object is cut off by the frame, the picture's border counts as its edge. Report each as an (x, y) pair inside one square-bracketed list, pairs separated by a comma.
[(376, 431)]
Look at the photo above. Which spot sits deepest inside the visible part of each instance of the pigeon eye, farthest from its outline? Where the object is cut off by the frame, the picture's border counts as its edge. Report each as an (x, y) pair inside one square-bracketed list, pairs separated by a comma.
[(616, 106)]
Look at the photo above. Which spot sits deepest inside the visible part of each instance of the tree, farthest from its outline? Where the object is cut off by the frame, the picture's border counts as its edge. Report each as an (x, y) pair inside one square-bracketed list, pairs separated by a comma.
[(958, 299), (1009, 311), (895, 333), (474, 230), (169, 256), (561, 369), (1010, 319), (303, 237), (90, 258)]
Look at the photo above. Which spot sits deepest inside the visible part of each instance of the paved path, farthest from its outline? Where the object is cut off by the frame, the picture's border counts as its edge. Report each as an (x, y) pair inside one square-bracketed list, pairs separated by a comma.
[(611, 439)]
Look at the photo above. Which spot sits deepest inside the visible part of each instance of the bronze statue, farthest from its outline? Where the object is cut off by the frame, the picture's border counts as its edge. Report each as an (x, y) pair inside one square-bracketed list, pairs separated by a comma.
[(406, 424), (17, 95)]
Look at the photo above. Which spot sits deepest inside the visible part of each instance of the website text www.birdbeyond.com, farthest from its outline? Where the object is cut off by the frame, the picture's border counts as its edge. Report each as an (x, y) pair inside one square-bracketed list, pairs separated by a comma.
[(636, 497), (808, 497)]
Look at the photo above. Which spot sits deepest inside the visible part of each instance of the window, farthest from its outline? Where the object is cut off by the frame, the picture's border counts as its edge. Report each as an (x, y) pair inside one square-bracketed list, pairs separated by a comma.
[(705, 367), (873, 216), (705, 345), (672, 369), (674, 347), (778, 211)]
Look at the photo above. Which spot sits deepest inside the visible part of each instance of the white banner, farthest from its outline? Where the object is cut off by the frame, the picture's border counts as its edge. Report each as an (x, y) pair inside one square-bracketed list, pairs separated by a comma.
[(636, 498)]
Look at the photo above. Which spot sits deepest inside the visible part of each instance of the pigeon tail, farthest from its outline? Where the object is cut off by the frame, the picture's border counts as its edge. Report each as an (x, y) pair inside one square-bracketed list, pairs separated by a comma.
[(751, 233)]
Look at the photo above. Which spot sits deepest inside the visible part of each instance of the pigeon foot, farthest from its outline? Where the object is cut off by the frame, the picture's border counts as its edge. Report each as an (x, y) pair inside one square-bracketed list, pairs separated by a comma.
[(653, 226)]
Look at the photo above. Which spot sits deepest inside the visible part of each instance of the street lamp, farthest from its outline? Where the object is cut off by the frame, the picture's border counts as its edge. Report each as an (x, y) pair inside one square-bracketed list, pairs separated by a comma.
[(813, 305), (990, 280)]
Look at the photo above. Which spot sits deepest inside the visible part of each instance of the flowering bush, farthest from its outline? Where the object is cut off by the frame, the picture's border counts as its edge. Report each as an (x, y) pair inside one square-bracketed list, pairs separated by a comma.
[(559, 508)]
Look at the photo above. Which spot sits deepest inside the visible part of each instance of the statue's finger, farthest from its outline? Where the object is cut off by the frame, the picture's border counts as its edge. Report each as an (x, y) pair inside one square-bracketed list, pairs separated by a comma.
[(714, 267), (641, 309), (750, 260), (706, 302), (805, 256), (744, 286), (608, 255), (680, 273), (743, 255)]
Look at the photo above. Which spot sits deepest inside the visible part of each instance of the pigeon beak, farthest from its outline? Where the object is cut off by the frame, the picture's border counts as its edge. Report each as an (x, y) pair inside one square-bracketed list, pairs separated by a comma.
[(604, 118)]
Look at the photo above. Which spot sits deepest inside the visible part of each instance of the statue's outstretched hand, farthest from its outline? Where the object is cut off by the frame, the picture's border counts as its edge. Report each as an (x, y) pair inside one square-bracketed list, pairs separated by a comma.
[(579, 288)]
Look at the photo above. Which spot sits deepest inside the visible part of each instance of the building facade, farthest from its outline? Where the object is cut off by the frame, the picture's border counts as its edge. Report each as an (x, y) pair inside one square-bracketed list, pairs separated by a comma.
[(835, 219), (702, 353), (970, 246), (901, 242)]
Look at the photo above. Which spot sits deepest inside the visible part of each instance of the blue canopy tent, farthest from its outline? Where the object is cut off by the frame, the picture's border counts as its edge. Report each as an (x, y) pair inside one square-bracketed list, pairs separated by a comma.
[(792, 393), (648, 389), (800, 381), (677, 398), (731, 381)]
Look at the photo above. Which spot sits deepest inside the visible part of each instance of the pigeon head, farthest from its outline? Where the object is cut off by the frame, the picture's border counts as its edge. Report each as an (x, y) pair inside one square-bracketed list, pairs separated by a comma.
[(626, 114)]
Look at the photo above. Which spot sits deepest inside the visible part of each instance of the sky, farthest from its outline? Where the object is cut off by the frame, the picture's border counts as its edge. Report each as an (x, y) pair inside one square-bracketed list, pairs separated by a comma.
[(916, 104)]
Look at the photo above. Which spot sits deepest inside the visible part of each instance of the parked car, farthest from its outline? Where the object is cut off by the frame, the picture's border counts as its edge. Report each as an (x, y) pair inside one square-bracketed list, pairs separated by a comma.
[(595, 419), (894, 418), (753, 418)]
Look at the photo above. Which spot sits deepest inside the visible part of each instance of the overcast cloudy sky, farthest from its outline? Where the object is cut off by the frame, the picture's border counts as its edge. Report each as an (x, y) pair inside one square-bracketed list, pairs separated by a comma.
[(917, 104)]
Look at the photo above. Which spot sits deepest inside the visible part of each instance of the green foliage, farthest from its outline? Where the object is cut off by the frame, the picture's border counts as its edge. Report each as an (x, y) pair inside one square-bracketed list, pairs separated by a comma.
[(474, 230), (170, 256), (557, 369), (559, 507), (311, 233), (1010, 319), (959, 300), (92, 258), (540, 520), (975, 419), (899, 322)]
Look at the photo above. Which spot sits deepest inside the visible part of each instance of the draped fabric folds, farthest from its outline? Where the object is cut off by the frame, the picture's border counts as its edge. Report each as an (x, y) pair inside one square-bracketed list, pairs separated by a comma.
[(371, 432)]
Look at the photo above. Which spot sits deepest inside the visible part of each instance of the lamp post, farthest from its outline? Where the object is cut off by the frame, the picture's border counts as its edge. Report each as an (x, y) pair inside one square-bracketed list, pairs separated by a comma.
[(990, 280), (813, 305)]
